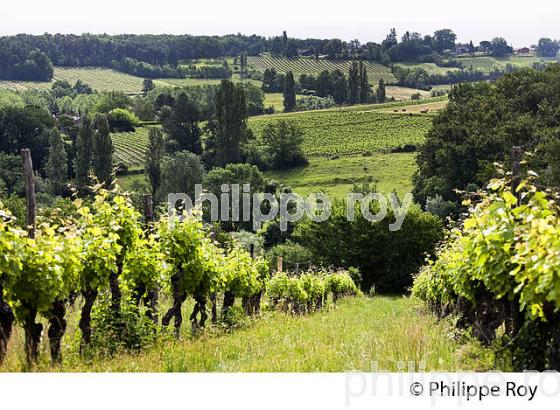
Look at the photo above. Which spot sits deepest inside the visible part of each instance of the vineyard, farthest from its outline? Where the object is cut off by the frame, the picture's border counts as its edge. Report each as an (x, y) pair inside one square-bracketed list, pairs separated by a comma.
[(130, 147), (311, 66), (333, 132), (499, 272), (105, 79), (105, 252)]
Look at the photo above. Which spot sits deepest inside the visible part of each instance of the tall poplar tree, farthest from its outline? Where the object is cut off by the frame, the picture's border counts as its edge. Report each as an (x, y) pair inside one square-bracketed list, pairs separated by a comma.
[(84, 152), (353, 83), (56, 167), (229, 128), (289, 92), (154, 157), (102, 150)]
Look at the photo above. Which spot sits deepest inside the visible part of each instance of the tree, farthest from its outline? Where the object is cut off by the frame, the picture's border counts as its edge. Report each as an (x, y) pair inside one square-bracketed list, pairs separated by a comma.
[(334, 48), (390, 40), (25, 127), (547, 47), (148, 85), (284, 142), (243, 65), (121, 120), (500, 48), (181, 172), (181, 126), (154, 158), (380, 94), (56, 167), (365, 88), (444, 40), (485, 46), (291, 48), (339, 87), (102, 150), (480, 126), (84, 152), (229, 126), (353, 83), (289, 93)]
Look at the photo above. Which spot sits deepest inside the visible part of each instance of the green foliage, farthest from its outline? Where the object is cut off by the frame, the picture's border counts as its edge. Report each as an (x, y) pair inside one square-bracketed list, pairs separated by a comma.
[(102, 150), (56, 167), (283, 144), (180, 172), (481, 124), (131, 331), (384, 258), (309, 291), (289, 93), (122, 120), (154, 158), (505, 248)]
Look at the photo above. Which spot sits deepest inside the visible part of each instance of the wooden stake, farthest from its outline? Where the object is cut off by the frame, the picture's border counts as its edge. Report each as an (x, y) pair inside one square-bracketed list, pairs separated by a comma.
[(279, 264), (148, 208), (29, 190), (515, 170)]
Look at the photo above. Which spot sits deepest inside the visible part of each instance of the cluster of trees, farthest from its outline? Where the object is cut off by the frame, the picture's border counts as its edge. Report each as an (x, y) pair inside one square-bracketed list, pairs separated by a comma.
[(32, 65), (479, 127), (351, 89)]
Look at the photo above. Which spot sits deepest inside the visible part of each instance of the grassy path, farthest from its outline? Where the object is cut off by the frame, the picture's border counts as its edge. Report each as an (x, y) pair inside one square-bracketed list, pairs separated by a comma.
[(353, 336)]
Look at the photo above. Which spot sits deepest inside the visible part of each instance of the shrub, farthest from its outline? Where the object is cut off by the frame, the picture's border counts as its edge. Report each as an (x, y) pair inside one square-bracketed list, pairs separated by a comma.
[(121, 120)]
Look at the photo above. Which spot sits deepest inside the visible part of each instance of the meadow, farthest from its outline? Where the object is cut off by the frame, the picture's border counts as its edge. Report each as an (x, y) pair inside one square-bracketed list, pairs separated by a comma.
[(336, 177), (357, 334)]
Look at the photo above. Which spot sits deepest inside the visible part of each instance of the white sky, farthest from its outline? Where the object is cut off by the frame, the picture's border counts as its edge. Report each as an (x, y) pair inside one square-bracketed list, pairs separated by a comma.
[(520, 22)]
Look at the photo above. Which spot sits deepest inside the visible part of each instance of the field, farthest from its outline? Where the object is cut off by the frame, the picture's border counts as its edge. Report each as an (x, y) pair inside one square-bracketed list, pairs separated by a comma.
[(304, 65), (105, 79), (130, 147), (276, 100), (335, 133), (358, 334), (431, 68), (336, 177), (488, 64)]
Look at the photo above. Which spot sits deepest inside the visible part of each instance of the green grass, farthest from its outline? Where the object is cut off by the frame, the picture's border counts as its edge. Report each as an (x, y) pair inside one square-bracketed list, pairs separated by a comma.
[(354, 335), (305, 65), (431, 68), (335, 177), (488, 63), (276, 100), (345, 132)]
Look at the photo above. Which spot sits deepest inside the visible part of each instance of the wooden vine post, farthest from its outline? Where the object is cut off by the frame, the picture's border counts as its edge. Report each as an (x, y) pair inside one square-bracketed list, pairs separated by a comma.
[(29, 191), (32, 330), (150, 295)]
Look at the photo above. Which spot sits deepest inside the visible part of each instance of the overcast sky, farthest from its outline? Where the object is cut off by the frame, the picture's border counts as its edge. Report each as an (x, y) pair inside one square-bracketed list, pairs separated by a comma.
[(520, 22)]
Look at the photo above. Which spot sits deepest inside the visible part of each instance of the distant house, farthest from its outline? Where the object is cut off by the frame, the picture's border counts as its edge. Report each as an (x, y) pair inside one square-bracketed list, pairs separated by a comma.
[(461, 50), (306, 53), (525, 51)]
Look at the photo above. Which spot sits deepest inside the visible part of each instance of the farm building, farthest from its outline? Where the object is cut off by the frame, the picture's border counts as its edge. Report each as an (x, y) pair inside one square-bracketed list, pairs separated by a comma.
[(525, 51)]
